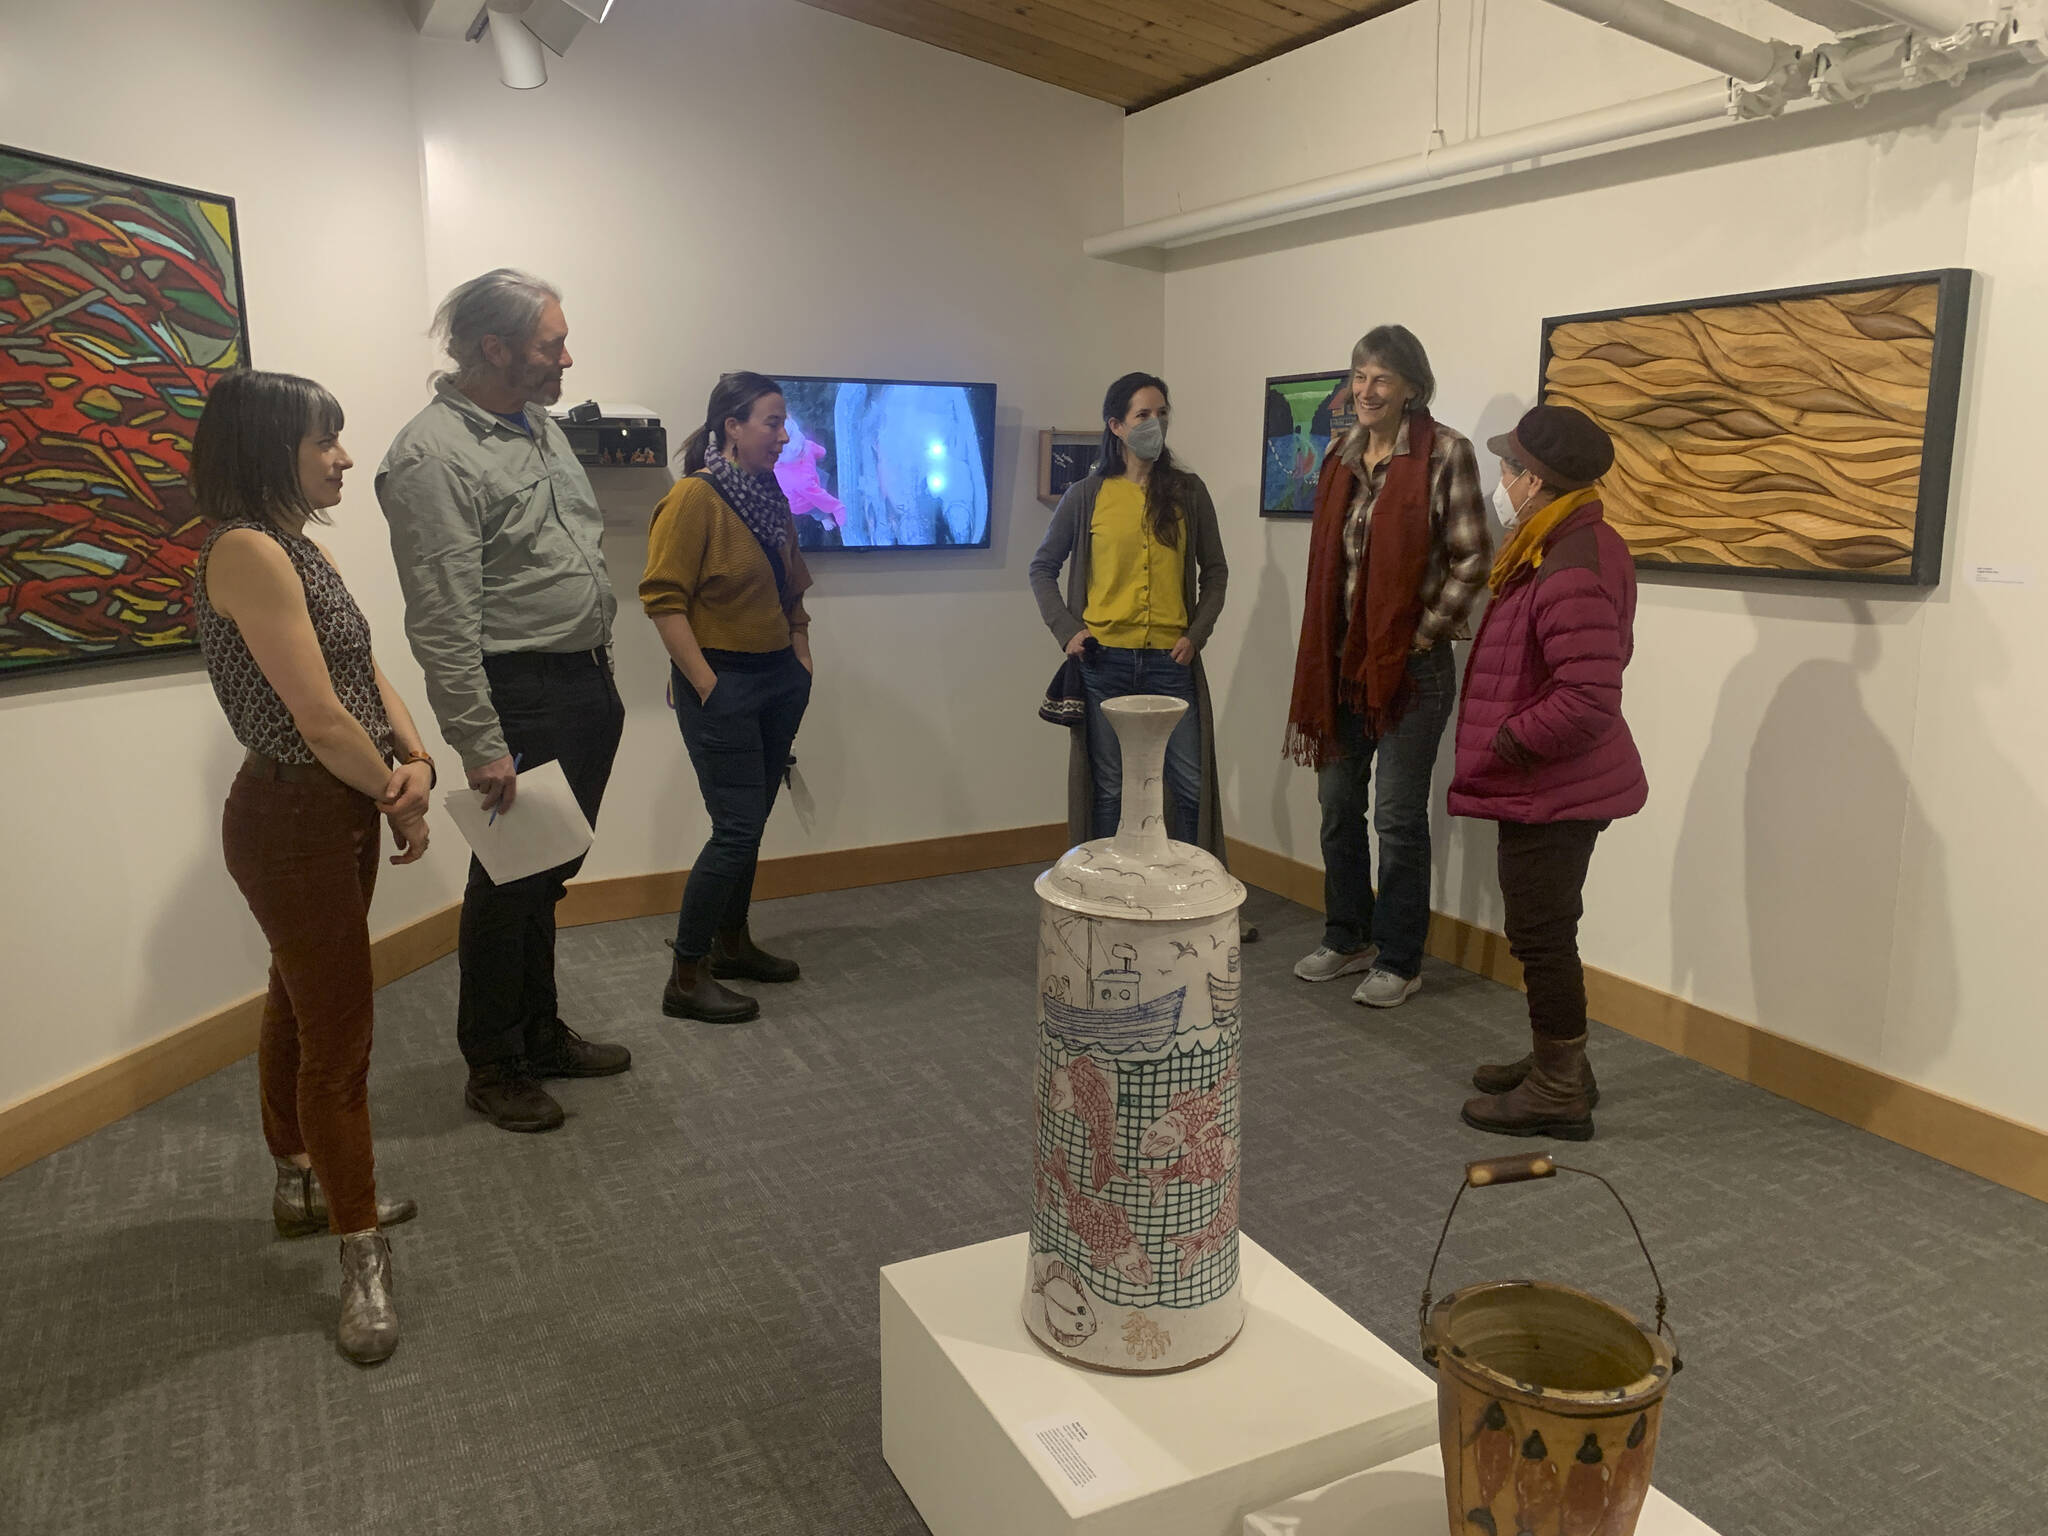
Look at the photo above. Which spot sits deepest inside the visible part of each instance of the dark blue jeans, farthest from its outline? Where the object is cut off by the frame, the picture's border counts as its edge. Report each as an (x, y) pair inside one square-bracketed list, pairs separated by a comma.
[(549, 706), (1111, 672), (739, 744), (1397, 919)]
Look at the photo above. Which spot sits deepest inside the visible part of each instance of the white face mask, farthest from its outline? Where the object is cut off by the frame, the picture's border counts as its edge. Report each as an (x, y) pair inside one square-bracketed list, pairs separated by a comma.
[(1504, 506)]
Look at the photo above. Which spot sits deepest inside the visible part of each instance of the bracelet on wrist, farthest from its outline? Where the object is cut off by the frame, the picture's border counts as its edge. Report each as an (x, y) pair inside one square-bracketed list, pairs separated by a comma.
[(433, 773)]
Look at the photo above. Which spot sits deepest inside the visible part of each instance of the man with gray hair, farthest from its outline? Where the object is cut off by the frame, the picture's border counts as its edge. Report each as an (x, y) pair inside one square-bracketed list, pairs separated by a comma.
[(509, 610)]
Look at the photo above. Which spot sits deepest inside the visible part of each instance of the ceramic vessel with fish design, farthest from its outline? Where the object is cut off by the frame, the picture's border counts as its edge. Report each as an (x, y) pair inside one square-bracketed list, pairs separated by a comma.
[(1134, 1263)]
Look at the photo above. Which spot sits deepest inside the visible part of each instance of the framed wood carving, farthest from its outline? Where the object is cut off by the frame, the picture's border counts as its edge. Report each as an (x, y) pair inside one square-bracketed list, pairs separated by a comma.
[(120, 304), (1063, 458), (1806, 432)]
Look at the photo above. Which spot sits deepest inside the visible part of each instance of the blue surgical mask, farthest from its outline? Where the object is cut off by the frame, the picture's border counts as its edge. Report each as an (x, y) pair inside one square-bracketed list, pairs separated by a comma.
[(1147, 440)]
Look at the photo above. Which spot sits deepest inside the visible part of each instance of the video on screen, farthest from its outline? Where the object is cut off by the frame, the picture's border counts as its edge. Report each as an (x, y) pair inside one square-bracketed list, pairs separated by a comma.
[(885, 464)]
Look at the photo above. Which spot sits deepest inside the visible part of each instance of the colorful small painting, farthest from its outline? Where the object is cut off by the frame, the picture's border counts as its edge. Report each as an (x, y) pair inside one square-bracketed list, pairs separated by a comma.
[(1803, 433), (120, 304), (1304, 412)]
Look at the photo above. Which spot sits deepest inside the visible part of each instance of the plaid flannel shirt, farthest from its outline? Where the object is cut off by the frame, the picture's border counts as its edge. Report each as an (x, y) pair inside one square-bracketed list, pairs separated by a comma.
[(1460, 536)]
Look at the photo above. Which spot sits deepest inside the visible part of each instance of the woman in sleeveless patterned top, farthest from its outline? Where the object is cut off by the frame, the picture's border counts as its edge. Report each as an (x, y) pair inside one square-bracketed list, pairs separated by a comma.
[(289, 656)]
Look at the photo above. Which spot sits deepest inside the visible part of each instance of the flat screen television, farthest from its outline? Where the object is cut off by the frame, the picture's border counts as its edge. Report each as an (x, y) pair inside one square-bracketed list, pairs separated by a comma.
[(889, 463)]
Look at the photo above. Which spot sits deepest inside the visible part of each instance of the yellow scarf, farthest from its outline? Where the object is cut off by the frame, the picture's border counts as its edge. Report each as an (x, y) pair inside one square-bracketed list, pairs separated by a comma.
[(1525, 547)]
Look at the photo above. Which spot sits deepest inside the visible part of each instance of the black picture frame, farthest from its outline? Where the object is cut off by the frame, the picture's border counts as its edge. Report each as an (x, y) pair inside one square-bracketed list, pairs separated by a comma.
[(1937, 455), (1065, 457), (126, 181), (1278, 422)]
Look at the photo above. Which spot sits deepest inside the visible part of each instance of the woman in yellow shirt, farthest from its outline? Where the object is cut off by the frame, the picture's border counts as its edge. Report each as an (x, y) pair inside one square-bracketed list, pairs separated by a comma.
[(724, 585), (1145, 582)]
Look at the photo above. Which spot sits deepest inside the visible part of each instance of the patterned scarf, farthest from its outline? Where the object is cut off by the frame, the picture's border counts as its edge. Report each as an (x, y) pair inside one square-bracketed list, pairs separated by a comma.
[(762, 506)]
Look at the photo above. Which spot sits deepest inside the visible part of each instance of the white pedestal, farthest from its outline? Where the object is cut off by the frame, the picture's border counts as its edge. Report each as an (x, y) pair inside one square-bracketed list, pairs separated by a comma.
[(1406, 1498), (1303, 1397)]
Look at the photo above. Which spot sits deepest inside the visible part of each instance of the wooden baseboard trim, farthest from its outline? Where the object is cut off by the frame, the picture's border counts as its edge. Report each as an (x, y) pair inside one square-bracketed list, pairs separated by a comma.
[(2005, 1151), (54, 1117)]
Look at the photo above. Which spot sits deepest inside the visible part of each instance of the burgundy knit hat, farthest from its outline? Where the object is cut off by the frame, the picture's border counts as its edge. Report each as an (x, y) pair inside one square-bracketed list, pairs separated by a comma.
[(1565, 447)]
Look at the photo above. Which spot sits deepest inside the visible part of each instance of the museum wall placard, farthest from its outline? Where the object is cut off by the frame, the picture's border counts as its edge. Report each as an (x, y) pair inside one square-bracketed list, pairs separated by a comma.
[(941, 204), (1846, 782)]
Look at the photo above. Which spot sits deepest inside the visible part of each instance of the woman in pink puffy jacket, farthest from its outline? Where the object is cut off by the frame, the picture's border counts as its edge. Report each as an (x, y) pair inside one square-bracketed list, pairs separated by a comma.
[(1543, 748)]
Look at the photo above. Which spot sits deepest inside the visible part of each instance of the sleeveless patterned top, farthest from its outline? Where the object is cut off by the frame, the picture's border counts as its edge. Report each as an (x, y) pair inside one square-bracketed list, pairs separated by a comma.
[(255, 712)]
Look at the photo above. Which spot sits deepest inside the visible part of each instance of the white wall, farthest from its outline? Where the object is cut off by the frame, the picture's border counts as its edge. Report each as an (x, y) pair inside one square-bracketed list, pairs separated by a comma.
[(714, 186), (771, 187), (120, 922), (1846, 822)]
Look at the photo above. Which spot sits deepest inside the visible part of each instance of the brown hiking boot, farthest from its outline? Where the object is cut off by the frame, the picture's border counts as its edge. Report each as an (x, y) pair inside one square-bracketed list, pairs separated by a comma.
[(1506, 1076), (693, 993), (736, 957), (1550, 1101)]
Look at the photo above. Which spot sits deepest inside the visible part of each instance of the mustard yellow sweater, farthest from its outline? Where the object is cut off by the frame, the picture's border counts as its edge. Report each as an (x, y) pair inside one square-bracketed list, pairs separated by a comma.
[(705, 564)]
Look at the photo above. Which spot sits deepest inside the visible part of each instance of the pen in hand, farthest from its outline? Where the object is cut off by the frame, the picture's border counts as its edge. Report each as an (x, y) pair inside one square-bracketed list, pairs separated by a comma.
[(517, 758)]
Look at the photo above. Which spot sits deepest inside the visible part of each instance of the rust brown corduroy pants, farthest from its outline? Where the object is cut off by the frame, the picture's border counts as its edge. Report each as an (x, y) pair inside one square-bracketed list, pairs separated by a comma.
[(305, 856)]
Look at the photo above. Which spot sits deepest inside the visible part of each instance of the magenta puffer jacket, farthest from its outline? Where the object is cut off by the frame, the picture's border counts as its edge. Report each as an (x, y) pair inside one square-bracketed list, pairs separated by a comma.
[(1540, 732)]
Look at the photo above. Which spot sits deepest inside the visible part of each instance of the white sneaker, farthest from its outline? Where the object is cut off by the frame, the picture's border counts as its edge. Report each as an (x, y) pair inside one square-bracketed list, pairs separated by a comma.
[(1327, 964), (1383, 989)]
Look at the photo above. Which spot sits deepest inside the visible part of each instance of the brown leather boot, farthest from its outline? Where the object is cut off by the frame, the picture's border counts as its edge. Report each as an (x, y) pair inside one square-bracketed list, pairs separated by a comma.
[(1506, 1076), (693, 993), (368, 1330), (735, 956), (1550, 1101), (299, 1207)]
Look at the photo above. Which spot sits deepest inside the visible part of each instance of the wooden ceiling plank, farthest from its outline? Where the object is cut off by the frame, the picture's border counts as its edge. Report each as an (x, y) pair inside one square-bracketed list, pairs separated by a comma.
[(928, 21), (1194, 49), (1086, 33), (1242, 34), (1355, 14)]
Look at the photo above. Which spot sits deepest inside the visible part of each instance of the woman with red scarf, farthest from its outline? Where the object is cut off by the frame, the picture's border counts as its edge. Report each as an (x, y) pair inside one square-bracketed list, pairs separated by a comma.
[(1398, 553)]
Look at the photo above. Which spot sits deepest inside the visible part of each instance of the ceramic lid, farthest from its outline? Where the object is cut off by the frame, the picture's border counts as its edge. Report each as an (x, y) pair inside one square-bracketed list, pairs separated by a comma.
[(1103, 878)]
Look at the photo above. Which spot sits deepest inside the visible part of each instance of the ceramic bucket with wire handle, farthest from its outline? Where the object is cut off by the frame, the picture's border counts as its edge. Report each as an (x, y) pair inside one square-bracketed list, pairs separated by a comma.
[(1548, 1400)]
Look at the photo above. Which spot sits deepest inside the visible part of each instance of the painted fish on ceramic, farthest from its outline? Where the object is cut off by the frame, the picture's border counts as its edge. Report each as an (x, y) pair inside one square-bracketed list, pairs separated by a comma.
[(1212, 1156), (1585, 1491), (1085, 1089), (1196, 1246), (1102, 1225), (1631, 1484), (1069, 1313), (1536, 1490), (1187, 1112)]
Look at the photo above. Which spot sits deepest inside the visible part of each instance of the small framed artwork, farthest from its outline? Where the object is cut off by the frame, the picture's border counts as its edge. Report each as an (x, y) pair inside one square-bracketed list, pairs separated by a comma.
[(1063, 458), (1804, 432), (1304, 413)]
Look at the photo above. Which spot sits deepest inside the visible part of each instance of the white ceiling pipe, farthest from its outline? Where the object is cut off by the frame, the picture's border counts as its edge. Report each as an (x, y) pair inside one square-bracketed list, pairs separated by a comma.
[(1937, 18), (1687, 34), (1652, 114)]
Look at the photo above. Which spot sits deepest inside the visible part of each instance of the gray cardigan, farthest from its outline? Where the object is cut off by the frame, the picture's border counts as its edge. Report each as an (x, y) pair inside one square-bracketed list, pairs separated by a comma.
[(1207, 576)]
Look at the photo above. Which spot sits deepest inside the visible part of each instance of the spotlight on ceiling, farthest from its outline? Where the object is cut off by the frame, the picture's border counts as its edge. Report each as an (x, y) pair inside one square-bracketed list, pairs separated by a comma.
[(521, 62), (522, 32)]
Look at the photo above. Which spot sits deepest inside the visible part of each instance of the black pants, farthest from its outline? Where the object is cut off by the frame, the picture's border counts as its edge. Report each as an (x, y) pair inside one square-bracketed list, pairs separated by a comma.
[(550, 707), (739, 744), (1543, 878)]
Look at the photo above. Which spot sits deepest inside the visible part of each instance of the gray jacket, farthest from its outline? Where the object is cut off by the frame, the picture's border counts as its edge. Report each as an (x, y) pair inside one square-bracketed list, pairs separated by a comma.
[(498, 540), (1207, 575)]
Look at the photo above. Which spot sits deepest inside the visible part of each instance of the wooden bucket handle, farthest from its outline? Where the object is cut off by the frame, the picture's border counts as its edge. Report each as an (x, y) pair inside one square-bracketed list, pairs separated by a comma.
[(1519, 1170)]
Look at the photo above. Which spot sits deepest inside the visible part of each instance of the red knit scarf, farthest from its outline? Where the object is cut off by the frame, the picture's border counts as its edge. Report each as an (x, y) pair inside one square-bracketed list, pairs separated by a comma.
[(1371, 676)]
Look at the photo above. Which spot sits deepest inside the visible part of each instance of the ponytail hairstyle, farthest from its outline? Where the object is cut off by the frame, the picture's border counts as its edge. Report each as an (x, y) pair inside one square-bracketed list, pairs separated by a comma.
[(732, 399), (1170, 489), (245, 450)]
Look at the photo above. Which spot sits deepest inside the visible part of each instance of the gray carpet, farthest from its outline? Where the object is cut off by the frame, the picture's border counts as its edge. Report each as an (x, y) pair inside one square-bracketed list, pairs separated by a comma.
[(663, 1317)]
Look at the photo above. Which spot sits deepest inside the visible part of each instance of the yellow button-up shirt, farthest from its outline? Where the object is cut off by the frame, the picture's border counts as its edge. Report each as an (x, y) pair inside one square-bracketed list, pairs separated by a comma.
[(1137, 584)]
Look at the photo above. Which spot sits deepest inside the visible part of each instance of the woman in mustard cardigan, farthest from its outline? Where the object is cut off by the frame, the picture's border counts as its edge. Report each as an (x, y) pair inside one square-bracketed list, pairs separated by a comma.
[(724, 585)]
